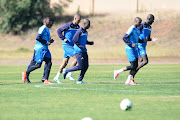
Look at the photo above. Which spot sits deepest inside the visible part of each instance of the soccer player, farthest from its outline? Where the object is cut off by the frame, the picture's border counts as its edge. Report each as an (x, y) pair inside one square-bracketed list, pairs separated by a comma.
[(131, 39), (80, 41), (145, 36), (41, 51), (69, 30)]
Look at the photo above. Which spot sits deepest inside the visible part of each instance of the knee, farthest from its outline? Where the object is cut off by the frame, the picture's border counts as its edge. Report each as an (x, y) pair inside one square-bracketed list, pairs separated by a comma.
[(145, 62), (38, 65)]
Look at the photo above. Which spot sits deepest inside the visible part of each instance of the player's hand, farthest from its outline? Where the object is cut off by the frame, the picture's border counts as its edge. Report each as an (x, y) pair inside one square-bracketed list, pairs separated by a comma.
[(154, 39), (134, 44), (146, 39), (48, 43), (65, 40), (91, 43), (52, 40)]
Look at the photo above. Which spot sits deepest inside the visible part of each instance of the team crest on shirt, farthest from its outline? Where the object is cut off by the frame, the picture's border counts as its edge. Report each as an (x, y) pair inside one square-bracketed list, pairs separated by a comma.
[(82, 58), (39, 60)]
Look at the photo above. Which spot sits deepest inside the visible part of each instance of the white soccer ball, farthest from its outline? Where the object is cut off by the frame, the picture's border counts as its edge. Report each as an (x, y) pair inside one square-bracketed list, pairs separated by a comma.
[(87, 118), (126, 104)]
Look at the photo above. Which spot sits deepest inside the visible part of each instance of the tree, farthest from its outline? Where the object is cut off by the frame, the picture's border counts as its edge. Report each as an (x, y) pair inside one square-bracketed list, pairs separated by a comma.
[(19, 15)]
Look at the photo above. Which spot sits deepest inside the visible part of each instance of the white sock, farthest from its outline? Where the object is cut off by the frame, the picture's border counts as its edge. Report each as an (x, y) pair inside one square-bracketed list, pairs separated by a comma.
[(119, 71), (129, 78), (69, 74), (58, 74)]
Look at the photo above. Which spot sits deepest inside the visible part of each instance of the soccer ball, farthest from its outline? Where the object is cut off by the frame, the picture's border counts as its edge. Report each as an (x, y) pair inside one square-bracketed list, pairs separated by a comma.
[(126, 104), (87, 118)]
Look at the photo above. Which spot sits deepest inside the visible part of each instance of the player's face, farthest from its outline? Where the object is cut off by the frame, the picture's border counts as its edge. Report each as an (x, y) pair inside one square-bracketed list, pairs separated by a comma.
[(138, 23), (150, 21), (49, 23), (87, 25), (77, 20)]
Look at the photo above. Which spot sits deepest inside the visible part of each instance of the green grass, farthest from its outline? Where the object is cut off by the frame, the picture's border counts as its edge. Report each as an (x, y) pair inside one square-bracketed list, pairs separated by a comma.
[(156, 97)]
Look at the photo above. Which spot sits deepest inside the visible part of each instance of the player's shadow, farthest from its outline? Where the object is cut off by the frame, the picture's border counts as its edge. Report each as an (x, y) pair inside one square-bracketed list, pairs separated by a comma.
[(103, 83)]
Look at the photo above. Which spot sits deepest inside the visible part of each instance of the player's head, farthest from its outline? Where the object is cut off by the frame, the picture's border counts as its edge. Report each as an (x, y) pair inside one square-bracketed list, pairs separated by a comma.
[(86, 23), (48, 22), (77, 19), (137, 21), (150, 19)]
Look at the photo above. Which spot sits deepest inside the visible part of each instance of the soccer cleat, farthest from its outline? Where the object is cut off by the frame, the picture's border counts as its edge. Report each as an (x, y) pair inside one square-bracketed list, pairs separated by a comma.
[(80, 82), (24, 75), (131, 82), (48, 82), (64, 73), (115, 74), (70, 78), (27, 80), (57, 80)]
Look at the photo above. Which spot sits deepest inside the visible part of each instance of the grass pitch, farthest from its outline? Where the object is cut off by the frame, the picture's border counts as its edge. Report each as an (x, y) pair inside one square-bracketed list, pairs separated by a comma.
[(156, 97)]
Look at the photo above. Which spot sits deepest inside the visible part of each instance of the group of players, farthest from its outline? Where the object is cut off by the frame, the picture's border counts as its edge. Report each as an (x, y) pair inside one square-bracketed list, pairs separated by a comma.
[(74, 40), (136, 39)]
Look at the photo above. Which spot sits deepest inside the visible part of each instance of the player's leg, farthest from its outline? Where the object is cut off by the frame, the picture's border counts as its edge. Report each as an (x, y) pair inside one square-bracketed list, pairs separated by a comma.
[(38, 58), (62, 66), (132, 69), (74, 62), (75, 68), (47, 70), (85, 65), (143, 58)]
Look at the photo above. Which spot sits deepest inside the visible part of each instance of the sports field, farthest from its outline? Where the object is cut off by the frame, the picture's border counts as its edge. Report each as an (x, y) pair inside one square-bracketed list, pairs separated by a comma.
[(155, 97)]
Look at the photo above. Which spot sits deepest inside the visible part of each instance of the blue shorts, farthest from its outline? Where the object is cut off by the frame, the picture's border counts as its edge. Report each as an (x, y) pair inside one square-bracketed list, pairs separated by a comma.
[(132, 54), (68, 51), (142, 51), (40, 54)]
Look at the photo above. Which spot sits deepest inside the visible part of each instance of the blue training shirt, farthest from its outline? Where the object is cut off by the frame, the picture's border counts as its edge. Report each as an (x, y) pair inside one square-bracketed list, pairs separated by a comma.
[(69, 30), (45, 35), (145, 32), (131, 36), (80, 39)]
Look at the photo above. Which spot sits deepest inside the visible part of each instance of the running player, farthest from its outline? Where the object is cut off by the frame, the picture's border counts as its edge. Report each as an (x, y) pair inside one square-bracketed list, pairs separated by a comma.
[(41, 52), (80, 41), (145, 36), (69, 30), (131, 39)]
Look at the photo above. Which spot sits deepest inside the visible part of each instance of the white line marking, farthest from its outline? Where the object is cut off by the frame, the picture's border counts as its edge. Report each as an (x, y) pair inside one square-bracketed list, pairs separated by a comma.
[(45, 86)]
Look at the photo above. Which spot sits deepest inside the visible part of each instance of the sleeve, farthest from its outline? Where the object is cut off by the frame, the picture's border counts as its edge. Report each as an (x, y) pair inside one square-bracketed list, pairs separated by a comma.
[(149, 37), (126, 40), (39, 36), (76, 39), (62, 29)]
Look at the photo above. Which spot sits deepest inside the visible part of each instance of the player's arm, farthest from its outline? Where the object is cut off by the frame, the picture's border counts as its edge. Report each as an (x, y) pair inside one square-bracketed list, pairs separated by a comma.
[(127, 41), (39, 38), (141, 28), (76, 39), (89, 42), (61, 30)]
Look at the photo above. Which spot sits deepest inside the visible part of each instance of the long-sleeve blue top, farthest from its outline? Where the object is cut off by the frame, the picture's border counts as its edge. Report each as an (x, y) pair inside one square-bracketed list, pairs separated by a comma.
[(69, 30), (80, 40)]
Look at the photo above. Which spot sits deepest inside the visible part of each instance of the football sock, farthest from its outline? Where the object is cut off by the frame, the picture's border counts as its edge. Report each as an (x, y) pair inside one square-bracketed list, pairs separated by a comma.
[(129, 78), (58, 74), (119, 71), (69, 74)]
